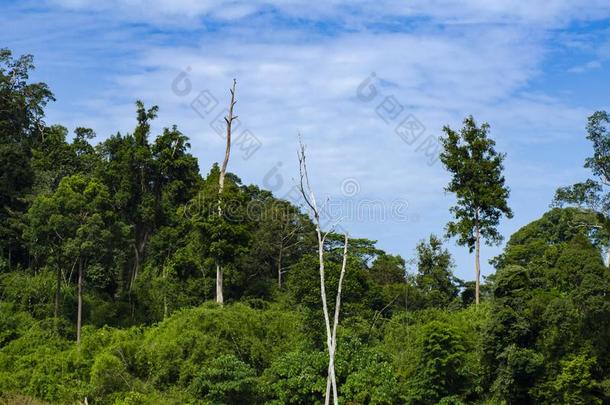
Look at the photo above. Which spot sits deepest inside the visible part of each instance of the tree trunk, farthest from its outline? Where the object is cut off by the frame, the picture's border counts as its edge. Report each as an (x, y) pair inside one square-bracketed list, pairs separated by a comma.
[(219, 279), (139, 248), (221, 183), (608, 258), (477, 264), (310, 200), (136, 265), (279, 267), (329, 342), (79, 312), (164, 293), (332, 378), (57, 293)]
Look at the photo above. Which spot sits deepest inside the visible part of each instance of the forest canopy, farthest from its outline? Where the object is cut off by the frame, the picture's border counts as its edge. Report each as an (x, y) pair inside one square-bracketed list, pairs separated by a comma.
[(109, 264)]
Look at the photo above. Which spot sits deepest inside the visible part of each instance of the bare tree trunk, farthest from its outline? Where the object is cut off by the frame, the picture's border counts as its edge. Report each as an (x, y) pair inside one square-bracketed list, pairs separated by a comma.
[(229, 120), (608, 258), (219, 278), (57, 293), (221, 183), (136, 265), (333, 381), (164, 292), (279, 267), (139, 249), (329, 342), (79, 312), (331, 333), (477, 263)]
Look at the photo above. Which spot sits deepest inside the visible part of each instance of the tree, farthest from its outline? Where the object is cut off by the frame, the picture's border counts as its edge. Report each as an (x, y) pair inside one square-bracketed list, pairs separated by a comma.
[(331, 333), (22, 106), (592, 197), (128, 170), (148, 181), (434, 273), (550, 303), (298, 377), (388, 269), (79, 217), (220, 240), (281, 235), (225, 380), (441, 364), (221, 183), (575, 384), (478, 185)]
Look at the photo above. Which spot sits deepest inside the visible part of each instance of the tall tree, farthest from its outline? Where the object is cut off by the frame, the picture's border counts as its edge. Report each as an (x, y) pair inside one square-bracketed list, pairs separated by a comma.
[(79, 217), (146, 203), (221, 184), (128, 170), (478, 184), (53, 158), (550, 303), (221, 239), (281, 235), (593, 195), (331, 331), (21, 127)]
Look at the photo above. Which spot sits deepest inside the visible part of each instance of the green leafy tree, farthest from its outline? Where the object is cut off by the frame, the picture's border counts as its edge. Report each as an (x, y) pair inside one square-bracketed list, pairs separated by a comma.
[(53, 158), (550, 303), (79, 215), (281, 234), (22, 106), (478, 184), (388, 269), (222, 238), (128, 172), (575, 384), (297, 377), (441, 365), (592, 197), (225, 380), (41, 237), (434, 277)]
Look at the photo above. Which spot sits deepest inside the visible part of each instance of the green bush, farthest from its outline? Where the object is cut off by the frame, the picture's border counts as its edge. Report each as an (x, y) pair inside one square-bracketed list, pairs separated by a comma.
[(298, 377), (225, 380), (108, 375)]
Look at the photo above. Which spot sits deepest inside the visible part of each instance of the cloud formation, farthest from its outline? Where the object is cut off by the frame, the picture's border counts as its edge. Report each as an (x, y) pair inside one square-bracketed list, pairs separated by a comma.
[(299, 65)]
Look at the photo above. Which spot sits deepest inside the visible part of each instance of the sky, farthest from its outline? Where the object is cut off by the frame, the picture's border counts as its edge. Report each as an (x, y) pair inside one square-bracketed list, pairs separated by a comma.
[(367, 85)]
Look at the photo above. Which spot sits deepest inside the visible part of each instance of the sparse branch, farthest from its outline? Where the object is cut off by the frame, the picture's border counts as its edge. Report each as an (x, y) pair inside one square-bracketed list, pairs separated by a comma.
[(221, 182), (229, 120), (333, 380), (331, 333), (304, 186)]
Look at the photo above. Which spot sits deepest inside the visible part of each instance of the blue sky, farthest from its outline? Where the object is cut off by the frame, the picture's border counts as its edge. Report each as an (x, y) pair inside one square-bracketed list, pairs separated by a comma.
[(533, 70)]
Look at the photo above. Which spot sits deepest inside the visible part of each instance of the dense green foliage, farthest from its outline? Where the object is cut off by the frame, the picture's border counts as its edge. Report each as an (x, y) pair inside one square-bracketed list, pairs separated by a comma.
[(479, 187), (477, 182), (135, 219)]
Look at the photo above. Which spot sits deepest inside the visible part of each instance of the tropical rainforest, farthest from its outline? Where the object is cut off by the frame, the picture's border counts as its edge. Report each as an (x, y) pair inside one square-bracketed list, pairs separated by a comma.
[(111, 254)]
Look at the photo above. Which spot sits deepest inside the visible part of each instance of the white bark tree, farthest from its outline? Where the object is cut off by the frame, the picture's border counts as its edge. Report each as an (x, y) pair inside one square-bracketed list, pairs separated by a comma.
[(221, 183), (331, 331)]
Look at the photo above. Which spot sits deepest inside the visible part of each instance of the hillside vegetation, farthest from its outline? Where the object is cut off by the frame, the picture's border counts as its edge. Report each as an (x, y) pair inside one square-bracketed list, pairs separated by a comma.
[(110, 254)]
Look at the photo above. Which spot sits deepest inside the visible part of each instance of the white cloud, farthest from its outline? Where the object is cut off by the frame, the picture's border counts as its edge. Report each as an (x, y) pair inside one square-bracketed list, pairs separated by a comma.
[(442, 62), (594, 64), (549, 13)]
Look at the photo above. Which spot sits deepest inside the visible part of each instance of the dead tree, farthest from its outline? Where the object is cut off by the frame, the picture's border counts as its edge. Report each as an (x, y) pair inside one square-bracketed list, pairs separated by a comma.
[(331, 332), (221, 183)]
